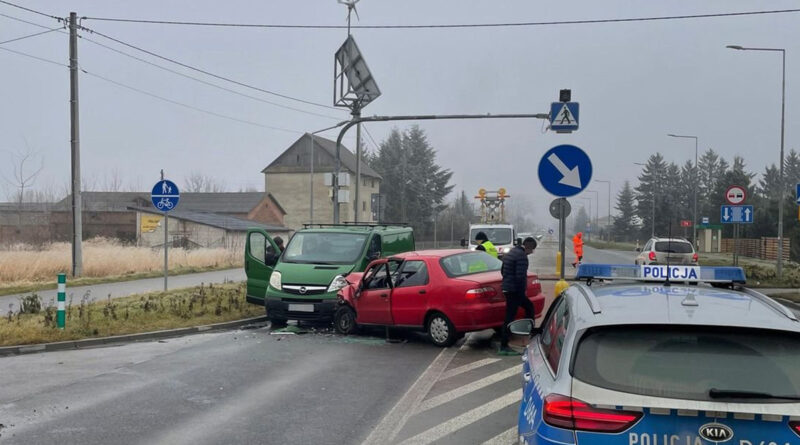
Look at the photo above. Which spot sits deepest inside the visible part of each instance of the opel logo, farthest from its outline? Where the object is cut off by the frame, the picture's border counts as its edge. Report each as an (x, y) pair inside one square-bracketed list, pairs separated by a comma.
[(302, 290), (716, 432)]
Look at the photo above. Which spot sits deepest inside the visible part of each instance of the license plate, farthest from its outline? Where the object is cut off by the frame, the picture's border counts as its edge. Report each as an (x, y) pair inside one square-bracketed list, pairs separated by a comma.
[(301, 308)]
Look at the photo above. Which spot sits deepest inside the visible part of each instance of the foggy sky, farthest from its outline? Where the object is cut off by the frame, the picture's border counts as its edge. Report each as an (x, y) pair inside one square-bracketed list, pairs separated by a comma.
[(635, 82)]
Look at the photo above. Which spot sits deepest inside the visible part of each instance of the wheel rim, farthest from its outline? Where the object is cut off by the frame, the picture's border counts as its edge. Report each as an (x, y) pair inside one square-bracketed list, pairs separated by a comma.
[(346, 321), (439, 330)]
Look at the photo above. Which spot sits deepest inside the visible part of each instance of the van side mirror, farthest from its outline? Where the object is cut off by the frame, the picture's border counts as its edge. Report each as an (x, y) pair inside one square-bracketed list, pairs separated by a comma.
[(374, 256), (463, 242)]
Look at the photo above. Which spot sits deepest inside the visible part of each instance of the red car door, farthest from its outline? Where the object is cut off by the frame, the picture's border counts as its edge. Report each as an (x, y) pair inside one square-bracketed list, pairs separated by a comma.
[(373, 303), (410, 294)]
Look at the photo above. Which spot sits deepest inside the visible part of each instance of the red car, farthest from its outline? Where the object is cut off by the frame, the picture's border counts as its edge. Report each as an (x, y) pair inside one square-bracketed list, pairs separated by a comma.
[(444, 292)]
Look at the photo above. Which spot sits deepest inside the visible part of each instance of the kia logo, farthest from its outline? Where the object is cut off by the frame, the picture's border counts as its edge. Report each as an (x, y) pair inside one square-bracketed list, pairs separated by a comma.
[(302, 290), (716, 432)]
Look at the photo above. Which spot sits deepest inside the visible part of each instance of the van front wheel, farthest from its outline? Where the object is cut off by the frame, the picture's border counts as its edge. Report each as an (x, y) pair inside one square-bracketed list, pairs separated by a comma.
[(345, 320), (441, 330)]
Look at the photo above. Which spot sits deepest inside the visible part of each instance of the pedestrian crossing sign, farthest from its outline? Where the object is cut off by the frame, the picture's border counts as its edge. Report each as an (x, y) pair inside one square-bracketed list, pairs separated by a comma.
[(564, 116)]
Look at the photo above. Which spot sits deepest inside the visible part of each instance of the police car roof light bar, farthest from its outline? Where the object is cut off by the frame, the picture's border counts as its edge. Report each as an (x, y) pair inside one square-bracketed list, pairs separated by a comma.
[(694, 274)]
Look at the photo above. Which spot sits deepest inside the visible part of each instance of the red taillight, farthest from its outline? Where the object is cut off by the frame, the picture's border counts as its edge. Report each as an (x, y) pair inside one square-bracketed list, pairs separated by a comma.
[(795, 426), (652, 256), (487, 292), (695, 258), (573, 414)]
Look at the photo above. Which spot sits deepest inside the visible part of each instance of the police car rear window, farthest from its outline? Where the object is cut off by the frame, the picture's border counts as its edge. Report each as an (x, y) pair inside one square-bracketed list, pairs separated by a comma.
[(687, 362), (673, 247)]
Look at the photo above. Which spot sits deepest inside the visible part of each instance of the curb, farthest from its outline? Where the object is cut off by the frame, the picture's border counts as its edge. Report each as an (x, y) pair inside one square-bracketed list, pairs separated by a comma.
[(102, 341)]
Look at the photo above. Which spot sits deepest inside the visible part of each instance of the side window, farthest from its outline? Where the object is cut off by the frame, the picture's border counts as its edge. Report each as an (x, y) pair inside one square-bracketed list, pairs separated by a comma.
[(258, 243), (413, 273), (379, 276), (374, 251), (555, 332)]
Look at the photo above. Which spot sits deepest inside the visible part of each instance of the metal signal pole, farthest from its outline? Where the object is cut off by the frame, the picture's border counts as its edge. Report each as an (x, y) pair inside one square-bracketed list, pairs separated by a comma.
[(77, 225)]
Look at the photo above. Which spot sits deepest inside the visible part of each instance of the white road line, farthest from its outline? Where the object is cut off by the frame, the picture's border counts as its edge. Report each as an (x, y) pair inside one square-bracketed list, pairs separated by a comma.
[(397, 417), (441, 399), (456, 423), (507, 437), (468, 367)]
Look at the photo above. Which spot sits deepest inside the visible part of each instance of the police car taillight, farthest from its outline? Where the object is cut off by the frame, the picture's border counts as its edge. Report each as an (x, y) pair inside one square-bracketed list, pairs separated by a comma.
[(573, 414), (695, 258), (795, 426), (652, 256)]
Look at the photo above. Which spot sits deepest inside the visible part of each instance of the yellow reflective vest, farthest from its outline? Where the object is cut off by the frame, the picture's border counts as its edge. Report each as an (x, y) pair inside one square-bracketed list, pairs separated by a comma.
[(490, 249)]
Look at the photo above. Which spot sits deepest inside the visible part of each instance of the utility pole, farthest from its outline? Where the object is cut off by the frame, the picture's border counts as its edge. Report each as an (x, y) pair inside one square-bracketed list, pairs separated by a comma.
[(77, 225), (356, 115)]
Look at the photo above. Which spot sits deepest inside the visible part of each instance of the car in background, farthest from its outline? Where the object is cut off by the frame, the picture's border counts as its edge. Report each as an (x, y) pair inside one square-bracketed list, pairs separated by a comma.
[(444, 292), (299, 283), (638, 363), (667, 251), (503, 236)]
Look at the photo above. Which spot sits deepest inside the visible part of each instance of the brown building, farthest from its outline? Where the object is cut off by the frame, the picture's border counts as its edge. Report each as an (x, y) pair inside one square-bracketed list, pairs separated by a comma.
[(288, 178)]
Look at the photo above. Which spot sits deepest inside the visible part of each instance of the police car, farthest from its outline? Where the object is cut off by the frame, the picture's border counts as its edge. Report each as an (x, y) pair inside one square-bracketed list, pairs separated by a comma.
[(661, 355)]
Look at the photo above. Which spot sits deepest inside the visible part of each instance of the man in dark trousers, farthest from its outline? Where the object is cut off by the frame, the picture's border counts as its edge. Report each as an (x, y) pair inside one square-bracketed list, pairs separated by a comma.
[(515, 282)]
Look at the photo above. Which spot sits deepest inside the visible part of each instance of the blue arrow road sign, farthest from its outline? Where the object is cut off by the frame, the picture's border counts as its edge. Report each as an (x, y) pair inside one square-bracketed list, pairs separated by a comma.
[(564, 116), (565, 170), (165, 195), (736, 214), (797, 194)]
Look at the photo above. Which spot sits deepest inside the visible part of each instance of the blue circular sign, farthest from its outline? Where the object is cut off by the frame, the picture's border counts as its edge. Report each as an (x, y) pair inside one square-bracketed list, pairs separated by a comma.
[(565, 170), (165, 195)]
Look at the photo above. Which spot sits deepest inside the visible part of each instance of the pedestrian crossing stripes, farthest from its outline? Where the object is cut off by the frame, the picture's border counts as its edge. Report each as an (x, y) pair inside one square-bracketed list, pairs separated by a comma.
[(467, 396)]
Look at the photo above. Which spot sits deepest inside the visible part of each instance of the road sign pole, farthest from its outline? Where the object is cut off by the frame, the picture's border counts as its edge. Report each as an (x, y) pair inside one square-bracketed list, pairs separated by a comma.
[(166, 249), (562, 235)]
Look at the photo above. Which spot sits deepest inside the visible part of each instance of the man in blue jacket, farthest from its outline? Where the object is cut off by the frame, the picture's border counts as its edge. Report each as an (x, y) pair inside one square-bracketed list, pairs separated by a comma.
[(515, 283)]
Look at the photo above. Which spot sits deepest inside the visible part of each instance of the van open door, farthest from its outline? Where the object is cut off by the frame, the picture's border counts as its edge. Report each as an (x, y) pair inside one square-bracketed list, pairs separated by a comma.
[(260, 256)]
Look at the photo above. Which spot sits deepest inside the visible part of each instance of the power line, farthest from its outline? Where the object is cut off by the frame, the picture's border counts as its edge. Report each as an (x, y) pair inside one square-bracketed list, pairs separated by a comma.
[(208, 83), (31, 10), (173, 71), (30, 35), (191, 107), (207, 73), (147, 93), (450, 26), (34, 57)]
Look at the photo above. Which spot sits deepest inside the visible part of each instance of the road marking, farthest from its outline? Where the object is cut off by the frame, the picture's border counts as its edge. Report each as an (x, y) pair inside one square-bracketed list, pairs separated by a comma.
[(441, 399), (398, 416), (456, 423), (468, 367), (506, 437)]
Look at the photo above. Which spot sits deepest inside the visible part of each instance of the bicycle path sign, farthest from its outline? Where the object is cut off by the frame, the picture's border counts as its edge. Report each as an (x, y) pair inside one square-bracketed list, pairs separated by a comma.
[(165, 195)]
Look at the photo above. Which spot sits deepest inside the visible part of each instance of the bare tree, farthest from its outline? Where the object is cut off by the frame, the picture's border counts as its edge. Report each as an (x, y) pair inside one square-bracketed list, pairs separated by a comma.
[(198, 182), (25, 170), (112, 181), (88, 183)]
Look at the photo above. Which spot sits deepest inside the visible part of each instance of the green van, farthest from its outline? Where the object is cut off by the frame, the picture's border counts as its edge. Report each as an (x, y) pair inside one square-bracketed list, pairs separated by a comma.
[(301, 282)]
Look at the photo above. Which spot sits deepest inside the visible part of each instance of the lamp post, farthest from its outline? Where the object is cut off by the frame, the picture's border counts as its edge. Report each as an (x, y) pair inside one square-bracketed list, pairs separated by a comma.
[(694, 213), (609, 206), (579, 229), (779, 264), (596, 206)]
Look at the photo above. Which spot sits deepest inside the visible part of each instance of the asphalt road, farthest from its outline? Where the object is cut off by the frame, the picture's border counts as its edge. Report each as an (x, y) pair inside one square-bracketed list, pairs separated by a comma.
[(125, 288), (234, 387)]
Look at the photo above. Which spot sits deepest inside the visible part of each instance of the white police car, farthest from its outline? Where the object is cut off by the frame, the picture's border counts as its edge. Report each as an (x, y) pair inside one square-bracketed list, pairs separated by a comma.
[(660, 363)]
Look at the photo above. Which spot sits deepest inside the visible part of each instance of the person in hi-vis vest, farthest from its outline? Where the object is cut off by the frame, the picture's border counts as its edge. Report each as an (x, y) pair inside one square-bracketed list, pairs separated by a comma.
[(485, 245)]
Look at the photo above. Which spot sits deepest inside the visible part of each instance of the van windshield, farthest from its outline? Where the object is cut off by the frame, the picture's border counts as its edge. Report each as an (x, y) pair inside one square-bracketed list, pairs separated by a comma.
[(497, 235), (324, 248)]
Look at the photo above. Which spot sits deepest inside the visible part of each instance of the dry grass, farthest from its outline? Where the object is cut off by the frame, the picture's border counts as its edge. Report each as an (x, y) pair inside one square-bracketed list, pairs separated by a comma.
[(24, 265), (155, 311)]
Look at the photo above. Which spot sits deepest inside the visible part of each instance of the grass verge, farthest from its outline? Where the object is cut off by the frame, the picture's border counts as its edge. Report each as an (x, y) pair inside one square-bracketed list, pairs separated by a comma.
[(180, 308), (12, 289)]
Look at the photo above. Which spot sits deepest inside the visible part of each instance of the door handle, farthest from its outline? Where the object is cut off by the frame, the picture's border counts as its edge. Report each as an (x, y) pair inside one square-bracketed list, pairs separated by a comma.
[(384, 295), (422, 291)]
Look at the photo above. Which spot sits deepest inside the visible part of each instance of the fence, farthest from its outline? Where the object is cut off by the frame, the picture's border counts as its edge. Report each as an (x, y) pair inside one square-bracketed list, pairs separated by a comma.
[(763, 248)]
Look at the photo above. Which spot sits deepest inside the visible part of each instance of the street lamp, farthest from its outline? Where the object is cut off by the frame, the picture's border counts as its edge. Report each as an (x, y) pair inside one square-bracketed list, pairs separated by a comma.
[(694, 214), (653, 218), (779, 265), (609, 206)]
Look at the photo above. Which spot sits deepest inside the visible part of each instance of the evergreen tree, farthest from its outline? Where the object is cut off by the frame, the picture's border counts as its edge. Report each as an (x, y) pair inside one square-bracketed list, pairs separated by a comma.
[(414, 184), (624, 227), (650, 194), (581, 221)]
